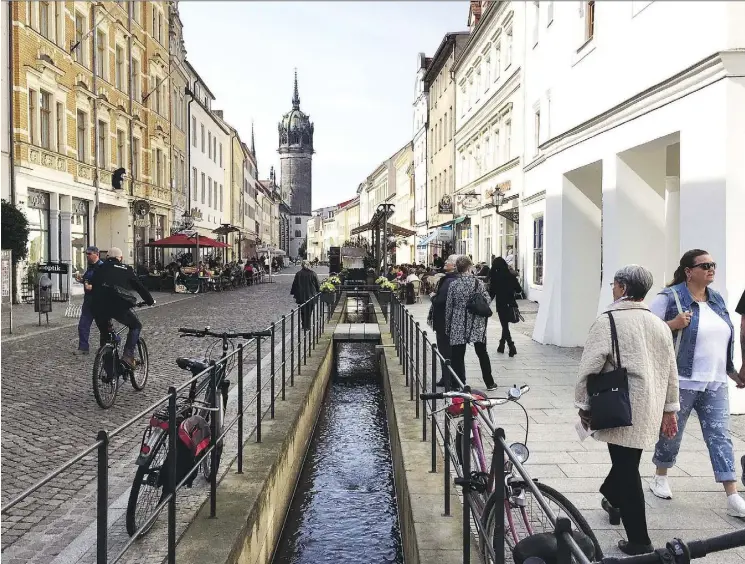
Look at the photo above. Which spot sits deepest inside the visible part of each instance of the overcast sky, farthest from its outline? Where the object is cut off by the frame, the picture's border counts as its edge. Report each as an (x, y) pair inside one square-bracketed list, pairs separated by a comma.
[(356, 66)]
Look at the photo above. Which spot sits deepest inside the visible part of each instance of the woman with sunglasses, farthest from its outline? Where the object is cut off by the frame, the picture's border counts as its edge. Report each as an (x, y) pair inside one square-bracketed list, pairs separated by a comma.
[(704, 342)]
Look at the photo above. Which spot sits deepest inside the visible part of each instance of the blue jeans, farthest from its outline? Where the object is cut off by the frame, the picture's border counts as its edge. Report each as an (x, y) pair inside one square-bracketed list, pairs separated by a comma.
[(712, 408), (84, 326)]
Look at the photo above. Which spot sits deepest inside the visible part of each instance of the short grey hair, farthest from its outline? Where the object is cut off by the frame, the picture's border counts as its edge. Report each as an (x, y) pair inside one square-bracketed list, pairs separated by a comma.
[(451, 259), (305, 264), (116, 252), (636, 279), (463, 263)]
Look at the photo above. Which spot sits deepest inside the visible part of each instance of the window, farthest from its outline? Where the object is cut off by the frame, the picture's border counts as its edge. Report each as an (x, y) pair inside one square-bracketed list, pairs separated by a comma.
[(537, 132), (157, 95), (44, 9), (135, 158), (549, 12), (209, 144), (441, 136), (82, 130), (101, 144), (508, 141), (487, 154), (450, 127), (137, 12), (120, 148), (298, 233), (497, 62), (203, 187), (201, 125), (508, 48), (46, 120), (220, 197), (220, 154), (487, 78), (136, 80), (297, 221), (60, 129), (536, 17), (590, 20), (209, 191), (79, 33), (538, 250), (214, 149), (101, 54), (32, 109), (194, 131), (119, 76), (194, 182)]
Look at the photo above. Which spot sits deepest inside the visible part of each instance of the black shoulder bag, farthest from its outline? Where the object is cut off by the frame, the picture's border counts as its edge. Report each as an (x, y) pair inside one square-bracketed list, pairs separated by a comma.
[(610, 406), (477, 304)]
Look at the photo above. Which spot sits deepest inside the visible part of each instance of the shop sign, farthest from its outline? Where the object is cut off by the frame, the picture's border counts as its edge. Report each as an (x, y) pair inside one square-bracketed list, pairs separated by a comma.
[(54, 268), (5, 277), (445, 233), (445, 205), (470, 202)]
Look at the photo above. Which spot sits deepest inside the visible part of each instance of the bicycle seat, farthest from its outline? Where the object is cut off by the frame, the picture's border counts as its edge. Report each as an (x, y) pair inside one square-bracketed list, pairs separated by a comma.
[(191, 364)]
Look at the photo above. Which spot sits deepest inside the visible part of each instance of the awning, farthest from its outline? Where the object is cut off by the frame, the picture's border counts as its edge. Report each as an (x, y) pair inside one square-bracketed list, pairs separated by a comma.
[(181, 240), (455, 221), (460, 219), (424, 241)]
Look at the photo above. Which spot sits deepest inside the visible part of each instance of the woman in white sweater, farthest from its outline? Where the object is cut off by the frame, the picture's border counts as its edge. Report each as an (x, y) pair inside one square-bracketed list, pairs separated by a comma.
[(646, 351)]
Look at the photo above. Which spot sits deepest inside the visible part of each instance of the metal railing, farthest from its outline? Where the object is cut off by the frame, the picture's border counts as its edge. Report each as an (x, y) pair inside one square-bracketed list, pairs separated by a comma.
[(291, 359)]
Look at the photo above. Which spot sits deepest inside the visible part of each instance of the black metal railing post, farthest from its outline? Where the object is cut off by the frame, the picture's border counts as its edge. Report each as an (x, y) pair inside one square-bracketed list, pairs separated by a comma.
[(284, 359), (240, 408), (299, 337), (499, 531), (412, 336), (415, 372), (563, 552), (258, 389), (214, 420), (407, 349), (434, 408), (446, 473), (305, 319), (173, 481), (404, 344), (389, 311), (102, 499), (466, 462), (424, 386), (272, 385), (292, 348)]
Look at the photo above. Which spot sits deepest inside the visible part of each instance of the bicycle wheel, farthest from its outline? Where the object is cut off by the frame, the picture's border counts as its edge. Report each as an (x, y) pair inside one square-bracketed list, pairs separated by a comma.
[(529, 518), (141, 370), (105, 376), (148, 489)]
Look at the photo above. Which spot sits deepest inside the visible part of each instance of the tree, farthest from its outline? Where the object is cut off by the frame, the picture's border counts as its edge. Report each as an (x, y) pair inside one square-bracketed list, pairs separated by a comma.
[(303, 250), (15, 230)]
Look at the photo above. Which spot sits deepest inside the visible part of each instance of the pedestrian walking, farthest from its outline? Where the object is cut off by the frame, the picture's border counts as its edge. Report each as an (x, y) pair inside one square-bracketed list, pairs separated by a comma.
[(462, 326), (93, 256), (703, 337), (438, 307), (503, 285), (644, 350), (304, 286)]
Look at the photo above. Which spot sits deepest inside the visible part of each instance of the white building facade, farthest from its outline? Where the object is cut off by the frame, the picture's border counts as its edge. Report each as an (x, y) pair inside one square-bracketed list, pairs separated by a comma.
[(488, 125), (634, 150), (419, 143)]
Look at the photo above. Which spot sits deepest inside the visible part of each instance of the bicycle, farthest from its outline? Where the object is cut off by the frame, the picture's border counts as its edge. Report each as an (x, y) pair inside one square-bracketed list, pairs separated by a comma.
[(523, 514), (152, 480), (109, 369)]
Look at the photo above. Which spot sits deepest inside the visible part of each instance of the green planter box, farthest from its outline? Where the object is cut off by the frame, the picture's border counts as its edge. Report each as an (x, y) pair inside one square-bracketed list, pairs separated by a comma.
[(384, 297)]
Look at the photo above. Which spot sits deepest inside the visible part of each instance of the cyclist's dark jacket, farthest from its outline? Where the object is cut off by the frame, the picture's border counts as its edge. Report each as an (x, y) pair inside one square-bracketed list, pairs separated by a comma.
[(113, 285)]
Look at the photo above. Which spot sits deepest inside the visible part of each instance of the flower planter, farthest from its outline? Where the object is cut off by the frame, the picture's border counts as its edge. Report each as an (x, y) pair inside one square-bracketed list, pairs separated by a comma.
[(328, 297), (370, 279), (384, 297)]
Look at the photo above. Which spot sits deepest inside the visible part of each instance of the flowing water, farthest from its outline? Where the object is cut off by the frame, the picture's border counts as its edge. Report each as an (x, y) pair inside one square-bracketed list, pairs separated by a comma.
[(344, 509)]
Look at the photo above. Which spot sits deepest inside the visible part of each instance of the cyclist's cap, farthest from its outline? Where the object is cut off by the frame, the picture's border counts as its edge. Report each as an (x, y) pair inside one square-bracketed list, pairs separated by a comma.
[(92, 249), (115, 252)]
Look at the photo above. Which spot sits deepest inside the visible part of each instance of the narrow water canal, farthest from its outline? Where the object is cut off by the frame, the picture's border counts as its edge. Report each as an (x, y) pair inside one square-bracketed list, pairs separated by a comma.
[(344, 509)]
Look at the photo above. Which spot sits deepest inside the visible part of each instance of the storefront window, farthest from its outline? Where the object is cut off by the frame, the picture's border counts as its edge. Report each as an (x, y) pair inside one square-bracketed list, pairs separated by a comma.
[(38, 218), (538, 250), (79, 232), (157, 229)]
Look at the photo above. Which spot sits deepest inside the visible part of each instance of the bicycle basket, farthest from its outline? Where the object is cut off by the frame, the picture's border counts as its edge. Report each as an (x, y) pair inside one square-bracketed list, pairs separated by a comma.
[(455, 409)]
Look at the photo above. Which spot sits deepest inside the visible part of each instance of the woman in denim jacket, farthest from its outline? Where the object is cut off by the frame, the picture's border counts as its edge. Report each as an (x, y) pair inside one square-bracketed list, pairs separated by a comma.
[(704, 343)]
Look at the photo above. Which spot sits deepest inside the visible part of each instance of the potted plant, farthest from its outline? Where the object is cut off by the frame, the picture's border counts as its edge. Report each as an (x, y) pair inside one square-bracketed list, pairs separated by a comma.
[(386, 289), (328, 292)]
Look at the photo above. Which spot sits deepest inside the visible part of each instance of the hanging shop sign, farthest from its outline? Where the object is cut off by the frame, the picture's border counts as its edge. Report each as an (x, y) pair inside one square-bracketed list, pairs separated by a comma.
[(445, 205), (470, 202), (445, 233)]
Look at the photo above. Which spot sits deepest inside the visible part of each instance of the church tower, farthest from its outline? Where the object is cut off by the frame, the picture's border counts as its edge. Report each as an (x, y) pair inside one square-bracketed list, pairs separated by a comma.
[(296, 157)]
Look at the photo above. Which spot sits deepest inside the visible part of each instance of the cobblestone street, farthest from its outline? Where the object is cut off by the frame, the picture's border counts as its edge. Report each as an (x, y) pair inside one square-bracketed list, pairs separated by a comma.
[(50, 413)]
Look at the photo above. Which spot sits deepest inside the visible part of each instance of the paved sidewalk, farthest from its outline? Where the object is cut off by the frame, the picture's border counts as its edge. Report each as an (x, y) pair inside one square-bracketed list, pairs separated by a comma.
[(576, 468)]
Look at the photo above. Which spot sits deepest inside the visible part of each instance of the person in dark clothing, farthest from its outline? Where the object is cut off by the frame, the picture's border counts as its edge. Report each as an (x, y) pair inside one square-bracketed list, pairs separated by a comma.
[(86, 313), (483, 271), (111, 285), (502, 288), (439, 301), (438, 261), (304, 287)]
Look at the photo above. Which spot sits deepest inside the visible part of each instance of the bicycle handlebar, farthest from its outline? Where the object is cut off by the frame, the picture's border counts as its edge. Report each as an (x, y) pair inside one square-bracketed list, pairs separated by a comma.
[(186, 332), (514, 394), (678, 551)]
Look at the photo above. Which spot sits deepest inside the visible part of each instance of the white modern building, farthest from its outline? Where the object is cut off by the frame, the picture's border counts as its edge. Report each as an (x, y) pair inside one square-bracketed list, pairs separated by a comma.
[(635, 145), (208, 157), (488, 130), (419, 143)]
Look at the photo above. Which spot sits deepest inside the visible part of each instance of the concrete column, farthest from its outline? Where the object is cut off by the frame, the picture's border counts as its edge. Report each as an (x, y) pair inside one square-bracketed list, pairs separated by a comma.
[(672, 226), (54, 226)]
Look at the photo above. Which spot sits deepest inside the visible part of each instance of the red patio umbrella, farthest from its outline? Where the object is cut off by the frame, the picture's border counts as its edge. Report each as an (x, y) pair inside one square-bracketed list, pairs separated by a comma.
[(180, 240)]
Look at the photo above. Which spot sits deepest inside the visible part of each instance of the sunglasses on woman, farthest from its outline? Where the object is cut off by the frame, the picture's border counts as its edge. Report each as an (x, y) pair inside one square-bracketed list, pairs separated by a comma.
[(705, 265)]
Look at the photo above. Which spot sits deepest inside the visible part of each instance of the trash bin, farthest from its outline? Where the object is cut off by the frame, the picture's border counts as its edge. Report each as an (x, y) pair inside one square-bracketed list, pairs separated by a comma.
[(43, 295)]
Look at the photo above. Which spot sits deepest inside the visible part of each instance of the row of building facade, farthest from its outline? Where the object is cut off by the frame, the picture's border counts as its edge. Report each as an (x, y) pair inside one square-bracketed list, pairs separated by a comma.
[(95, 87), (582, 135)]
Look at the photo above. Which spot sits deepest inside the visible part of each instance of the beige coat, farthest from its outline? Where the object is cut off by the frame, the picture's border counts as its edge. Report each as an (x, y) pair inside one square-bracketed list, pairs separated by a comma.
[(646, 347)]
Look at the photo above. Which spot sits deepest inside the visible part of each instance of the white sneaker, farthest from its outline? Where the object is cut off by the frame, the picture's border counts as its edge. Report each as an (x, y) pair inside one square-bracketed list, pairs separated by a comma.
[(736, 506), (661, 488)]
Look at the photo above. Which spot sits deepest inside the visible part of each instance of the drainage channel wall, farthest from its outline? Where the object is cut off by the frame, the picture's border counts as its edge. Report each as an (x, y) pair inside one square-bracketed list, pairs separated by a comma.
[(428, 536), (251, 507)]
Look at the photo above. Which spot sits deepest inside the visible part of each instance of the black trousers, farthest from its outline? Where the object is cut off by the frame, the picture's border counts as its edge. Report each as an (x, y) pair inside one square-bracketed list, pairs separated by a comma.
[(306, 315), (443, 345), (127, 318), (457, 358), (504, 314), (623, 489)]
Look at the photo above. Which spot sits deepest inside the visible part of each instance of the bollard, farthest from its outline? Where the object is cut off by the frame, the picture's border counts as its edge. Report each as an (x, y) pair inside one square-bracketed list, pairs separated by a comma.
[(284, 358), (271, 404), (102, 499), (258, 389), (466, 458), (172, 438), (499, 531), (240, 408), (424, 386), (292, 348), (214, 420), (434, 408)]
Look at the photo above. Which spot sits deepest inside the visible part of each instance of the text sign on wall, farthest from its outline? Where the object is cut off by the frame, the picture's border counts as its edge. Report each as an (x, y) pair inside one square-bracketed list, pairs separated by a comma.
[(5, 274)]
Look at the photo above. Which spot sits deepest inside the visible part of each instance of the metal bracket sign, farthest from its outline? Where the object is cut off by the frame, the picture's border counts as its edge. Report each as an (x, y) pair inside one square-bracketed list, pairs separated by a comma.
[(6, 275), (54, 268)]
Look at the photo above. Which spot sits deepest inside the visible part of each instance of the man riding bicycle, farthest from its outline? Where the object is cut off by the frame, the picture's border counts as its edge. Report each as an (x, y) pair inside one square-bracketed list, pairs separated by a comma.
[(112, 298)]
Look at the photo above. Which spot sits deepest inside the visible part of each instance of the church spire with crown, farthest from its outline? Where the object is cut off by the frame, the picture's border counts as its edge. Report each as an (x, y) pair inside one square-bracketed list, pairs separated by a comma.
[(296, 95), (253, 142)]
